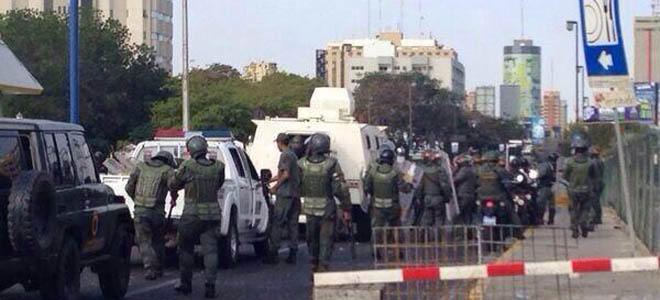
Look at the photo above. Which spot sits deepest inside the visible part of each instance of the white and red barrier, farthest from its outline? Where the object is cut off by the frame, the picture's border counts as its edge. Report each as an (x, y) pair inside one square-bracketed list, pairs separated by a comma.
[(498, 269)]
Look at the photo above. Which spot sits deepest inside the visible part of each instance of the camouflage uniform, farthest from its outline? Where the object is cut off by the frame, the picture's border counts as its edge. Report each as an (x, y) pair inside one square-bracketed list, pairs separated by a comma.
[(322, 181), (466, 185), (382, 182), (148, 187), (546, 198), (202, 179), (580, 173), (599, 186), (434, 191)]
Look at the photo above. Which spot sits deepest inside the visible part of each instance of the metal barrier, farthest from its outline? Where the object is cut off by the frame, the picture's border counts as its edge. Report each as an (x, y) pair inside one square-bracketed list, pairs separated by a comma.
[(455, 246), (641, 154)]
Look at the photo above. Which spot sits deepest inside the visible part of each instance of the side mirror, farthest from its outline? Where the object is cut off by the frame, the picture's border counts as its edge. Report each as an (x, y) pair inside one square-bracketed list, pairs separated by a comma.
[(266, 175)]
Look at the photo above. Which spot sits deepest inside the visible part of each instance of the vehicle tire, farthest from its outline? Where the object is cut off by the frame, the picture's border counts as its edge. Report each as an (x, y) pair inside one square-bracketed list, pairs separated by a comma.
[(363, 223), (114, 274), (31, 214), (229, 244), (64, 283)]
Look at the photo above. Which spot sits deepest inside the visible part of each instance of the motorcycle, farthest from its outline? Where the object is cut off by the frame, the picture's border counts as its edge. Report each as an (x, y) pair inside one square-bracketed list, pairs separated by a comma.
[(522, 196), (491, 212)]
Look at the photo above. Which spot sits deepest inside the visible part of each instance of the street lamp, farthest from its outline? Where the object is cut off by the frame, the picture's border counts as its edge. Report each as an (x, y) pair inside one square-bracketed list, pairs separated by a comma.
[(410, 118), (573, 26)]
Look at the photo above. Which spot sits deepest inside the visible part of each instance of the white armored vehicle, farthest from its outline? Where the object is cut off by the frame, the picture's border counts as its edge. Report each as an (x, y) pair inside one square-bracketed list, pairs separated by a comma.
[(354, 144)]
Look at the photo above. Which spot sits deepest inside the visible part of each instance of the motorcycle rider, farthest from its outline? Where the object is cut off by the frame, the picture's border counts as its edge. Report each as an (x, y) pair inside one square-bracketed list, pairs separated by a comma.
[(321, 181), (495, 182), (599, 185), (546, 178), (382, 183), (581, 174), (202, 178), (148, 187), (434, 191), (465, 181)]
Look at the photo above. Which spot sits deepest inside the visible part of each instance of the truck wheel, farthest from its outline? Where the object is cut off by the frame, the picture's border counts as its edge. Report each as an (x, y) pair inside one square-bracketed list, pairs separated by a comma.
[(64, 284), (229, 244), (114, 274), (31, 214)]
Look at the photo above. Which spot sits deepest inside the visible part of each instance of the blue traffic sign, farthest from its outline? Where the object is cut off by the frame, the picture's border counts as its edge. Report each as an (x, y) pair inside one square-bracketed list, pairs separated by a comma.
[(603, 42)]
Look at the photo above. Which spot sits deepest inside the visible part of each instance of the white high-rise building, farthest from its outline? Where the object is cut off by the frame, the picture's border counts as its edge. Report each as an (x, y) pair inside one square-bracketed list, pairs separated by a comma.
[(149, 22)]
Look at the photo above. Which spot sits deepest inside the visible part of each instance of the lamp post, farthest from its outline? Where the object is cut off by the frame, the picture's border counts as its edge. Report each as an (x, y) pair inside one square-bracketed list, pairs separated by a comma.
[(74, 116), (573, 26), (410, 109)]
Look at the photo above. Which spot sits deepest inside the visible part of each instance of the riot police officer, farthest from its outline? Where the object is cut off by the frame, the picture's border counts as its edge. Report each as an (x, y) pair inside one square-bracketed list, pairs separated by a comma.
[(202, 178), (382, 183), (321, 181), (466, 185), (148, 187), (493, 182), (434, 190), (599, 185), (580, 174), (546, 179)]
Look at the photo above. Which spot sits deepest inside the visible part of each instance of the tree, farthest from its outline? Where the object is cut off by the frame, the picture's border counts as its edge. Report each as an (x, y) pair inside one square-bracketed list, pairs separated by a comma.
[(118, 81)]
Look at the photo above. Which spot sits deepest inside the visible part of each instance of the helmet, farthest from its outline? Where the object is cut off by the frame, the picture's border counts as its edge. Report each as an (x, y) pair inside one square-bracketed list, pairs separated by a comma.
[(386, 157), (540, 156), (553, 157), (578, 140), (197, 146), (319, 144), (427, 155), (516, 163), (165, 157), (490, 156), (437, 156), (10, 160), (594, 150)]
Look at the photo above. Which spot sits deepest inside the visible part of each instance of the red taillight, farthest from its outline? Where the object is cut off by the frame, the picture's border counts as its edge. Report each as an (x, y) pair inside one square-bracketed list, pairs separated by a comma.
[(490, 204)]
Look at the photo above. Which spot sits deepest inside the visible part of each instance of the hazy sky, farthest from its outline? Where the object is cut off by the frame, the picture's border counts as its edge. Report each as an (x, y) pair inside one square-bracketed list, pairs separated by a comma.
[(287, 32)]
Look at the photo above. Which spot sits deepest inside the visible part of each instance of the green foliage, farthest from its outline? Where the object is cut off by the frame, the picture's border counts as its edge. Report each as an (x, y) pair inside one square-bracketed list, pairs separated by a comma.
[(118, 81), (219, 98)]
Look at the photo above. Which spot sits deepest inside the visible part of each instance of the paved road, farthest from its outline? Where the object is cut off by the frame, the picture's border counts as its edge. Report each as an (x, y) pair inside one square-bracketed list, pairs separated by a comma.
[(249, 280)]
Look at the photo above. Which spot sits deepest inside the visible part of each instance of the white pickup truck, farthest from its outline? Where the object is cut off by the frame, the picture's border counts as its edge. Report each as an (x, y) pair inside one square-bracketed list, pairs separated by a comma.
[(244, 209)]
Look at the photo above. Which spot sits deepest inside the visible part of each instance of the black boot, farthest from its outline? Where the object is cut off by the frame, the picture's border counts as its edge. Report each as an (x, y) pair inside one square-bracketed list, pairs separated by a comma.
[(576, 234), (551, 216), (209, 292), (184, 288), (585, 231), (291, 259)]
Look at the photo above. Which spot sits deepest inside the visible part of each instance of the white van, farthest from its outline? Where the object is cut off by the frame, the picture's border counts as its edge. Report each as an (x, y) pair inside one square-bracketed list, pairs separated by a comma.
[(355, 145), (244, 209)]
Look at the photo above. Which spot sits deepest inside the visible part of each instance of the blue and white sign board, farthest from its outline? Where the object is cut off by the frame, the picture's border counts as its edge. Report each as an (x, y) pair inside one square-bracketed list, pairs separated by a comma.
[(605, 54)]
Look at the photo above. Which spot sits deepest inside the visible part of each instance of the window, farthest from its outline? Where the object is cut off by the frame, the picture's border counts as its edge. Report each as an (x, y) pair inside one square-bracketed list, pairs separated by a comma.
[(368, 142), (112, 13), (253, 170), (8, 147), (64, 154), (27, 152), (53, 161), (237, 162), (382, 68), (82, 159)]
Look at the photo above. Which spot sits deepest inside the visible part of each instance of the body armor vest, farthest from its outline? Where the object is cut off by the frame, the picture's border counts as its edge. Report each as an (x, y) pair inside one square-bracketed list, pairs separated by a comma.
[(384, 178), (317, 186), (151, 188), (202, 190)]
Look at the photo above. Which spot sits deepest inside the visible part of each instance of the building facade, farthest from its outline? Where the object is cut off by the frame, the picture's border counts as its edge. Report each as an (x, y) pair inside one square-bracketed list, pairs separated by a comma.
[(509, 101), (552, 110), (647, 44), (563, 116), (522, 67), (469, 100), (484, 101), (348, 61), (149, 22), (256, 71)]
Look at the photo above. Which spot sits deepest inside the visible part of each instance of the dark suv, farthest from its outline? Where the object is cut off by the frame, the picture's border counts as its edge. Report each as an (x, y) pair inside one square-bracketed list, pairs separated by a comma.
[(55, 216)]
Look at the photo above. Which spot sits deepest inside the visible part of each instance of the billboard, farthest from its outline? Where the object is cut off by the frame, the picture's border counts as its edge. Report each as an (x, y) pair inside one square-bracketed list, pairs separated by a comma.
[(524, 70), (646, 96)]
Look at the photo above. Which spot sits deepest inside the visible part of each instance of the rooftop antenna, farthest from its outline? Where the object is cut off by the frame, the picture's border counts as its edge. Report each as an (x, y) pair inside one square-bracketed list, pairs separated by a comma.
[(552, 74), (401, 18), (421, 19), (369, 18), (655, 7), (522, 18), (380, 15)]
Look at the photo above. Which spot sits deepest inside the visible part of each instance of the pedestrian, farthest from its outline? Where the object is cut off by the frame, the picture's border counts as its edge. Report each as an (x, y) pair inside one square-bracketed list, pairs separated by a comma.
[(148, 187), (202, 178), (287, 203), (466, 186), (599, 185), (434, 191), (546, 180), (382, 183), (581, 174), (322, 181)]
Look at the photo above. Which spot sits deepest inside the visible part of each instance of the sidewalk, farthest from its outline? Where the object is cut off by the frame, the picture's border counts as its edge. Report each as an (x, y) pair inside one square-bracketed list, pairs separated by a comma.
[(609, 240)]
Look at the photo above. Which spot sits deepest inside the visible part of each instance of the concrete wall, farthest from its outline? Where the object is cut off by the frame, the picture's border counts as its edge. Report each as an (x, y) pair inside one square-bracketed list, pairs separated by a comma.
[(647, 49)]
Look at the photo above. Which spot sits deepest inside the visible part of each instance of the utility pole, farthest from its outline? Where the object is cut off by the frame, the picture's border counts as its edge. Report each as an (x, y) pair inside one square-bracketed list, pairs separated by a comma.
[(74, 116), (184, 76), (573, 26)]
